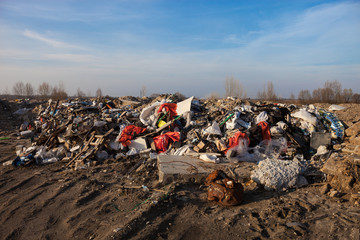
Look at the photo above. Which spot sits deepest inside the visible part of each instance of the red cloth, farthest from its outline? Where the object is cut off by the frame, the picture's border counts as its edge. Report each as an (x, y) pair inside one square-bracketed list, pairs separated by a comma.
[(169, 107), (265, 131), (129, 133), (234, 140), (162, 141)]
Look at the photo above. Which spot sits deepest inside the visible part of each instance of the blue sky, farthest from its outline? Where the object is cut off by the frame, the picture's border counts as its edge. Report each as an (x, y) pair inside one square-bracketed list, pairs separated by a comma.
[(186, 46)]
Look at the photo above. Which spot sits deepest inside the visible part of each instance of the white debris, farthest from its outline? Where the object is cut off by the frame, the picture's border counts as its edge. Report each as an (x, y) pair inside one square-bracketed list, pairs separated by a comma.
[(262, 117), (277, 174), (209, 158), (336, 107), (306, 116), (322, 150), (237, 122), (214, 129)]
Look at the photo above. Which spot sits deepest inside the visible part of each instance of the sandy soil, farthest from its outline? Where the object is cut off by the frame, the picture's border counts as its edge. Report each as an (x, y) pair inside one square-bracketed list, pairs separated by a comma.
[(52, 202)]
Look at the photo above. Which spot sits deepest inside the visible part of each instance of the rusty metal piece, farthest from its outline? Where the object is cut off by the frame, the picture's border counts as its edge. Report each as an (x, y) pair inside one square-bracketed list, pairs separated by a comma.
[(223, 189)]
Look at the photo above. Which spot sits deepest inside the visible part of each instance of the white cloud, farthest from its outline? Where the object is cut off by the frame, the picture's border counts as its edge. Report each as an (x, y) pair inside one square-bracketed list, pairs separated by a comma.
[(52, 42)]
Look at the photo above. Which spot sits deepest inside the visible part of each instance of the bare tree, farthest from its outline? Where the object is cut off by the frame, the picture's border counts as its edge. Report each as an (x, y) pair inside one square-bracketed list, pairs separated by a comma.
[(6, 91), (355, 98), (19, 88), (330, 93), (271, 95), (233, 88), (44, 90), (268, 93), (292, 97), (317, 95), (304, 96), (29, 90), (347, 94), (143, 91), (58, 92), (335, 86), (80, 93), (99, 93)]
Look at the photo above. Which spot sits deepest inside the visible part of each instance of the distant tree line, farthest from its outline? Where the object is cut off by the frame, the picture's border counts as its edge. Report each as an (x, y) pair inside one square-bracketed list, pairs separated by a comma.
[(331, 92), (45, 91)]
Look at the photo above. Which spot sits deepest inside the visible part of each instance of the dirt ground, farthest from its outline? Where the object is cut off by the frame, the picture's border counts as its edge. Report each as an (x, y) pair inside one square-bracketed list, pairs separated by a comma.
[(108, 202)]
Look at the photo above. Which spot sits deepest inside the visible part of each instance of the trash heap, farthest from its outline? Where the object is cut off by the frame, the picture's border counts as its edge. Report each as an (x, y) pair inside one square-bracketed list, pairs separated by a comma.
[(281, 138)]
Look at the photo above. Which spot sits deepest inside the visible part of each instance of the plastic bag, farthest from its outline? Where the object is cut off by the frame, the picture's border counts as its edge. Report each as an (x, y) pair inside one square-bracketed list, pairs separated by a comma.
[(306, 116), (333, 124), (162, 141), (262, 117), (148, 115), (237, 122), (129, 133), (214, 129), (170, 108), (265, 130), (240, 141), (336, 108)]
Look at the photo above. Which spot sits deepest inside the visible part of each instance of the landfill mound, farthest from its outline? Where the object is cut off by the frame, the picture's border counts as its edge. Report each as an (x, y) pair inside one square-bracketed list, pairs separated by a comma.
[(135, 157)]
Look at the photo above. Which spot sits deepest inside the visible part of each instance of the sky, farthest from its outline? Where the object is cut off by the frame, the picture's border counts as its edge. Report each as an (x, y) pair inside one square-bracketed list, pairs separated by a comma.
[(186, 46)]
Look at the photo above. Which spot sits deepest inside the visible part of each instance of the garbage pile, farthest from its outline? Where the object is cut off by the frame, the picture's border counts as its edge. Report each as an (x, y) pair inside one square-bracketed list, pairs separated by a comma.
[(281, 137)]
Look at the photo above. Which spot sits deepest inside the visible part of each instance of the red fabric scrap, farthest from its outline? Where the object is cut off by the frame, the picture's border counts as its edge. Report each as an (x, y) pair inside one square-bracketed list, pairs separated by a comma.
[(169, 107), (162, 141), (265, 131), (234, 140), (129, 133)]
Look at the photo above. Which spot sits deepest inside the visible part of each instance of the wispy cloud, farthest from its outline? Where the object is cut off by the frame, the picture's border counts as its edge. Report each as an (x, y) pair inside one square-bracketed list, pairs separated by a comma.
[(323, 34), (234, 39), (61, 11), (67, 57), (49, 41)]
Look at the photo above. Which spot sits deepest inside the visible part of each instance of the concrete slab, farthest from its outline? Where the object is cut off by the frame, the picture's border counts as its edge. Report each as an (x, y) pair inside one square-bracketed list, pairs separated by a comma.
[(318, 139), (185, 168)]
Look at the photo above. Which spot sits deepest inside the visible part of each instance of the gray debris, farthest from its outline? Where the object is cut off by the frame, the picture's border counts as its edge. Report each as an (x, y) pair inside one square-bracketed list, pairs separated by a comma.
[(278, 175)]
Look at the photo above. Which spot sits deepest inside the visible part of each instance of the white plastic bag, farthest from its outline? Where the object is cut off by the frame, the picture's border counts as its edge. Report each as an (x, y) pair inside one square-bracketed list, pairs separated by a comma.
[(148, 115), (262, 117), (336, 108), (236, 122), (306, 116), (214, 129)]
